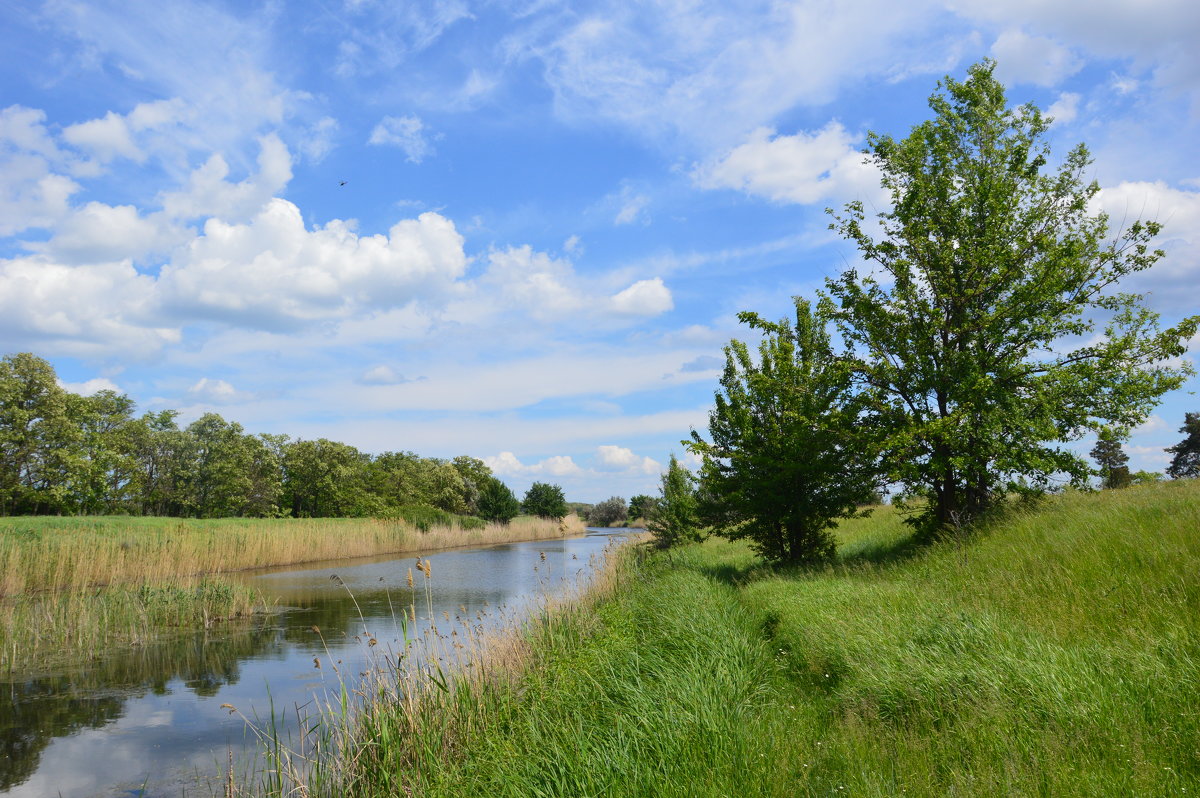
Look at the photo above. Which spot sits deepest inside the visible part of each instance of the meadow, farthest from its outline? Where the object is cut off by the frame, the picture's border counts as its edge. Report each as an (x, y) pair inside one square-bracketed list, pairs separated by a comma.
[(1053, 651)]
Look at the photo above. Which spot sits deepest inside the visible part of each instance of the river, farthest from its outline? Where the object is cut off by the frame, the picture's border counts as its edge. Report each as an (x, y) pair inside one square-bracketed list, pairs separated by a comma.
[(149, 721)]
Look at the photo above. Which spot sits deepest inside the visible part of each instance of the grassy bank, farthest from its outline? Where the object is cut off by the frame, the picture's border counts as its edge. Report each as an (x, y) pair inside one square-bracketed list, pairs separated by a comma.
[(66, 553), (1056, 653)]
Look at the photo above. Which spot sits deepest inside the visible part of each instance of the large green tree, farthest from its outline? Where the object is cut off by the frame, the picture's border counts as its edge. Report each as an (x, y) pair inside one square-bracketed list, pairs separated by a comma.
[(790, 452), (1185, 455), (985, 324), (544, 500), (39, 441), (496, 501)]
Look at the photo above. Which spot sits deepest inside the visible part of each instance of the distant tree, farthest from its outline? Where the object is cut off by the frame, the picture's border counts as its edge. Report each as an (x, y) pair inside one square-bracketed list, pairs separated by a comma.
[(672, 518), (1185, 460), (475, 474), (496, 502), (790, 452), (1145, 477), (609, 512), (987, 264), (326, 479), (640, 506), (544, 500), (39, 441), (1113, 462)]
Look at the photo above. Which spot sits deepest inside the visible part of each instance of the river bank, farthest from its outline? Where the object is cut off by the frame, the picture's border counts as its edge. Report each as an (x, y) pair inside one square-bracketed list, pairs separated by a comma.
[(150, 718), (1054, 653), (72, 586)]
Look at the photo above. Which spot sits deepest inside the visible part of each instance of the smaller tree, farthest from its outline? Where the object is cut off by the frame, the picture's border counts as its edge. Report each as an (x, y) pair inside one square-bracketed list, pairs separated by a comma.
[(1108, 454), (673, 518), (790, 452), (640, 505), (496, 501), (545, 501), (1185, 464), (608, 512)]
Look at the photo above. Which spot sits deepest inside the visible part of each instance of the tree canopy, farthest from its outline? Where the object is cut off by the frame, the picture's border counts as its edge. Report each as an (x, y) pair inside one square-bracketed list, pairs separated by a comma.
[(1185, 455), (985, 329), (545, 500), (790, 452)]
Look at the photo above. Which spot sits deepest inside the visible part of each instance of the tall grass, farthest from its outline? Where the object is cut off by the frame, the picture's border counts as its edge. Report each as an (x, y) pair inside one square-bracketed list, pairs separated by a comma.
[(49, 629), (65, 553), (1056, 652)]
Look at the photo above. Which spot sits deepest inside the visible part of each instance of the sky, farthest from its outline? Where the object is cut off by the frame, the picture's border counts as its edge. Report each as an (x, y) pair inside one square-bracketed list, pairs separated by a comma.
[(519, 231)]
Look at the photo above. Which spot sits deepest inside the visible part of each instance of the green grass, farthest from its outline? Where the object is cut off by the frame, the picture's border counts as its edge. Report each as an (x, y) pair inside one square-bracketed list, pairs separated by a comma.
[(1056, 652)]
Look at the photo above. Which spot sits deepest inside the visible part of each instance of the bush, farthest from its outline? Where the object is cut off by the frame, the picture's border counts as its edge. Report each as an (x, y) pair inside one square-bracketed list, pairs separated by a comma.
[(609, 512)]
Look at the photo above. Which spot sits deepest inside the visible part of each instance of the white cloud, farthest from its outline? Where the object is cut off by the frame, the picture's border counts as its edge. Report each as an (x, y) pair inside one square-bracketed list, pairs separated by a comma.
[(318, 139), (803, 168), (382, 375), (631, 208), (406, 132), (1022, 58), (106, 138), (643, 298), (209, 194), (102, 233), (272, 272), (620, 458), (85, 310), (90, 387), (32, 195), (506, 464), (213, 391), (1065, 108), (534, 281)]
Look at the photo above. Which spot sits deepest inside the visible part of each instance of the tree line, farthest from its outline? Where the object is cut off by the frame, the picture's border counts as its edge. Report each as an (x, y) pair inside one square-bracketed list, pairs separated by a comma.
[(63, 453), (979, 333)]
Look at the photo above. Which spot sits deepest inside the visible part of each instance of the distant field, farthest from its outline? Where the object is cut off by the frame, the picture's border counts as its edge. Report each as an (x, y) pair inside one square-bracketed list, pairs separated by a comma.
[(1055, 653)]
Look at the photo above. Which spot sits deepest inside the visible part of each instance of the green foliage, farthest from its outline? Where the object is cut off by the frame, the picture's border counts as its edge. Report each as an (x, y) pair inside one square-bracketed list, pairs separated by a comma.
[(545, 501), (496, 501), (1113, 462), (1185, 459), (39, 443), (988, 262), (790, 451), (609, 512), (641, 506), (673, 517)]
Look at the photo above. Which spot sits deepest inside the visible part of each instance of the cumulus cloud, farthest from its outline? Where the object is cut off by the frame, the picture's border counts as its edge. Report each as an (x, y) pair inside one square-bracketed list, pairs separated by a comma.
[(214, 391), (99, 232), (84, 310), (506, 464), (90, 387), (406, 132), (382, 375), (32, 193), (619, 458), (643, 298), (272, 272), (1022, 58), (802, 168), (1065, 108), (105, 138), (534, 281), (208, 193)]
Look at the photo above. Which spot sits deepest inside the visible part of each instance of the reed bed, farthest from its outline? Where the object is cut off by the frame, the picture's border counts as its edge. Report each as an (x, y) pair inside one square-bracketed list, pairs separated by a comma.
[(1055, 651), (64, 553), (43, 631)]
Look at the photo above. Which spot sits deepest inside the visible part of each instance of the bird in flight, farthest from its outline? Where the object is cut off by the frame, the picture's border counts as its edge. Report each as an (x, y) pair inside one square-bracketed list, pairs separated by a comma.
[(342, 182)]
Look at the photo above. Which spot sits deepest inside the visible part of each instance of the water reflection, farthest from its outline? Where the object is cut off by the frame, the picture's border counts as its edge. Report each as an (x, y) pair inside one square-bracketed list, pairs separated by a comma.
[(148, 720)]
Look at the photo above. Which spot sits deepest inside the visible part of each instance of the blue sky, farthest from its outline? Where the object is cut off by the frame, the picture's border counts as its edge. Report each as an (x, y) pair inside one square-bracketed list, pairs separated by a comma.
[(551, 212)]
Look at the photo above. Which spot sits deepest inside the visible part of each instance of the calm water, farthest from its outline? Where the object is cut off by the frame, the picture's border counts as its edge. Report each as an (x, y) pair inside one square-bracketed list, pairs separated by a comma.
[(148, 721)]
